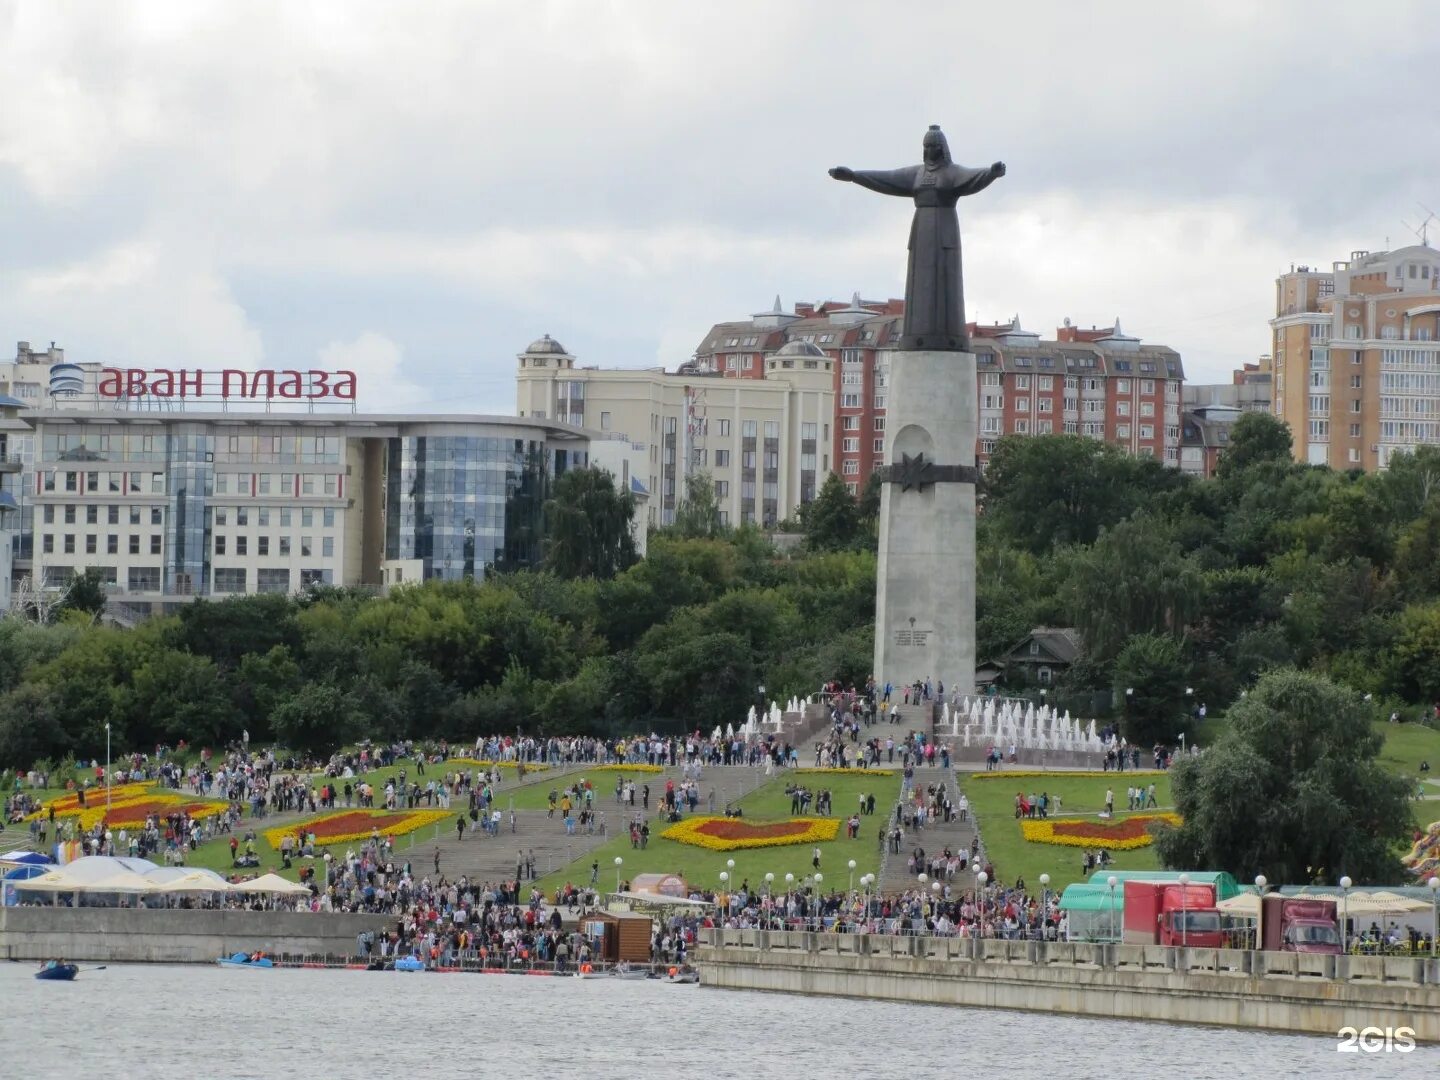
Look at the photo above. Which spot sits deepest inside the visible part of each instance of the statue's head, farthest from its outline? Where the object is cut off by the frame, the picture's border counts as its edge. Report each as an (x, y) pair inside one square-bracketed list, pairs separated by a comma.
[(936, 149)]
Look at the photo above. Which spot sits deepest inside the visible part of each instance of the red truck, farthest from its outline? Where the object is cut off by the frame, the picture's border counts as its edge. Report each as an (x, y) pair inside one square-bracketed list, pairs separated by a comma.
[(1288, 924), (1168, 913)]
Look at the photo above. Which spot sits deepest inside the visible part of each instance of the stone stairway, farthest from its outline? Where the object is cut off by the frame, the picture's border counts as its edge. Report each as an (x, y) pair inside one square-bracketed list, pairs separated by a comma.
[(934, 838)]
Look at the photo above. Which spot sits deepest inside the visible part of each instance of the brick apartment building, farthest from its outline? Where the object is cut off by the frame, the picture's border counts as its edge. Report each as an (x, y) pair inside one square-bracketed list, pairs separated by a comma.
[(1098, 382)]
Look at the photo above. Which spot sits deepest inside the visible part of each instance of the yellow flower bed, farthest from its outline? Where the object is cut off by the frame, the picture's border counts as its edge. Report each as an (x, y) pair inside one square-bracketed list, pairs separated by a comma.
[(623, 768), (1122, 834), (732, 834), (345, 826), (1061, 774), (848, 772), (68, 805)]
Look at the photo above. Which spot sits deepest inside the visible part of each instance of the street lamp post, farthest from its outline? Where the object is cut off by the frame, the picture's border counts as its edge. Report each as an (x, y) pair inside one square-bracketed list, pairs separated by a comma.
[(1184, 908), (819, 877), (107, 769), (1345, 884), (619, 862), (1112, 881), (725, 888), (769, 882), (852, 875), (1044, 903), (1260, 886), (1434, 884), (730, 865)]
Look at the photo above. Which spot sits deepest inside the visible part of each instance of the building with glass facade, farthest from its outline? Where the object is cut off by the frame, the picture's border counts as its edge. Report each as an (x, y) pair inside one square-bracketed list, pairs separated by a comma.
[(174, 505)]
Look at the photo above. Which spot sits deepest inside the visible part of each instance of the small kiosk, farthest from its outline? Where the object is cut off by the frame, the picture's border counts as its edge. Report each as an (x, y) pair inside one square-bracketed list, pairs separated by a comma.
[(618, 935)]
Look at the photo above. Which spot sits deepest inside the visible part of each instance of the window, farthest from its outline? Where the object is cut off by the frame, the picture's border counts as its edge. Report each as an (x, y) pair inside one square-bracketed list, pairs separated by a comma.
[(879, 401), (328, 518), (1122, 431), (92, 515), (112, 544), (1355, 431), (264, 482), (1147, 431), (50, 514), (850, 401), (748, 429), (112, 515), (1354, 455), (144, 578), (157, 516), (284, 547), (1147, 386), (272, 581), (990, 378), (1122, 408), (70, 514), (90, 544), (879, 446), (1022, 382), (230, 580), (1319, 403), (1147, 408), (1022, 427), (47, 544), (242, 545), (1044, 427), (722, 459), (1319, 429), (1355, 406), (157, 483), (1071, 404), (155, 544), (331, 485), (849, 423), (134, 545), (220, 517), (849, 446), (219, 545), (1022, 404), (305, 546), (327, 547), (1047, 382), (285, 514), (722, 489), (992, 401), (1122, 386), (879, 424), (69, 543), (1354, 382), (262, 546), (264, 517), (307, 484), (725, 428), (851, 468)]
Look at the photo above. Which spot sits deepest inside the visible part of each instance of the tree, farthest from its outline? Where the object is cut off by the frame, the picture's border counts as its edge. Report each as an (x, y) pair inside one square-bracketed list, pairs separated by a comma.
[(317, 719), (28, 732), (1050, 490), (831, 520), (1150, 684), (1416, 655), (1135, 580), (1254, 438), (176, 695), (587, 526), (85, 593), (698, 515), (1291, 789)]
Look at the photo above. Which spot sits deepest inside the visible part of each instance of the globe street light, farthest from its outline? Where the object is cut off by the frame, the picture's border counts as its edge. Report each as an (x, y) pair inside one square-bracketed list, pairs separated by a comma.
[(1044, 902), (619, 862), (1345, 884), (769, 880), (852, 875), (1260, 886)]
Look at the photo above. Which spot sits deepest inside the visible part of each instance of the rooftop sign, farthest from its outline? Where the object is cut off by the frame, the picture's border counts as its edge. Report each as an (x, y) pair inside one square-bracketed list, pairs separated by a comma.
[(231, 384)]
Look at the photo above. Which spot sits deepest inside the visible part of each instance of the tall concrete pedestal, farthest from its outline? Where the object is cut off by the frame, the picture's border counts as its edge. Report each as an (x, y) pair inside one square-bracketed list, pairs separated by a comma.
[(925, 592)]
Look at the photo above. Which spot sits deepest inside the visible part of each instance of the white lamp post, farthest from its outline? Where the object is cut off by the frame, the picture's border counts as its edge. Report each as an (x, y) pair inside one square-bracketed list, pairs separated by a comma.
[(789, 882), (1184, 911), (1112, 881), (1044, 902), (107, 769), (619, 862), (769, 881), (1260, 886), (852, 875), (1345, 884), (1434, 884)]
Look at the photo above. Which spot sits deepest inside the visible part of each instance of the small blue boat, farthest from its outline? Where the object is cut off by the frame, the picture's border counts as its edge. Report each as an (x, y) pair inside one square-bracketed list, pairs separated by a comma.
[(57, 971), (241, 959), (409, 963)]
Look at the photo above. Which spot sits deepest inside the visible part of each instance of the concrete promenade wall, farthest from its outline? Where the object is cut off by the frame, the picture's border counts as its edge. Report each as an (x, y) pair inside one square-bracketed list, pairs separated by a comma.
[(174, 935), (1225, 987)]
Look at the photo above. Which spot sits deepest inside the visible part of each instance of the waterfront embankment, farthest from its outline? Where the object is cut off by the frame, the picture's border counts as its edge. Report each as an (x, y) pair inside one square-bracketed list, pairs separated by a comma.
[(175, 935), (1238, 988)]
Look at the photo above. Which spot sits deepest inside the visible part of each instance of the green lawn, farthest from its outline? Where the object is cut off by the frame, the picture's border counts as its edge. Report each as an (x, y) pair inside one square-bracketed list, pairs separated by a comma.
[(993, 803), (701, 867), (1407, 745)]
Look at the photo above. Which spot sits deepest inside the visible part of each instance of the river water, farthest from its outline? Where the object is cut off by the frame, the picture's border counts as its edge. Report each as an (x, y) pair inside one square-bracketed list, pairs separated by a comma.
[(199, 1022)]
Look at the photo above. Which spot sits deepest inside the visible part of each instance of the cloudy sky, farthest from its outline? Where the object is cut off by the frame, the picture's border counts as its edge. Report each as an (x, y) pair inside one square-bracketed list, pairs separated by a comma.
[(417, 190)]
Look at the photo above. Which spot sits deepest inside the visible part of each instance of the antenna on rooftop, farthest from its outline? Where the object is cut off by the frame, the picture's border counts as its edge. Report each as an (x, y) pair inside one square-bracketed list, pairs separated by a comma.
[(1422, 231)]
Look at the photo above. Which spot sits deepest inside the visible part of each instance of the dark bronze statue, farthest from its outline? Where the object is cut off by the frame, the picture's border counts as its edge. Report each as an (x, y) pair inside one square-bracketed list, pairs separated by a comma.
[(934, 293)]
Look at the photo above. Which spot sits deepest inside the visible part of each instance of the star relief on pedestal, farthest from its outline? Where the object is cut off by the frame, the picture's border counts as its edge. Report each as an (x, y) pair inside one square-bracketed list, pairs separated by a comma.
[(913, 472)]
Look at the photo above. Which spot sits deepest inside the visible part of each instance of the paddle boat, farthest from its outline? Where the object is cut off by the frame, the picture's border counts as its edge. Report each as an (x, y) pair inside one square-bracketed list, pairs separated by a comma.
[(58, 970), (623, 970), (240, 959), (682, 975), (409, 963)]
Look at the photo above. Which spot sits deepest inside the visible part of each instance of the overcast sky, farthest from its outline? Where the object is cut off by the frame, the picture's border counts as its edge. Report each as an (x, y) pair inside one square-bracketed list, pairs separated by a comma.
[(417, 190)]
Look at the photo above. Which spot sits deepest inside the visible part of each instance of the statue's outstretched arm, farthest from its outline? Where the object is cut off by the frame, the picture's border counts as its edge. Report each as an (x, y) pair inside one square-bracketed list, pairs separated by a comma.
[(886, 181), (980, 179)]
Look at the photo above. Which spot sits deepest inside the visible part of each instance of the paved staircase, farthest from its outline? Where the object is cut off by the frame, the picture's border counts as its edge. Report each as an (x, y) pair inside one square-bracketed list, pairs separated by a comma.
[(934, 838)]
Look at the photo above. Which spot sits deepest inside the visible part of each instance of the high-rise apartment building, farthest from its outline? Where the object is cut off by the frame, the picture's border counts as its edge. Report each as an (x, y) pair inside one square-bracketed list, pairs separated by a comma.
[(1357, 357), (764, 439), (1099, 382)]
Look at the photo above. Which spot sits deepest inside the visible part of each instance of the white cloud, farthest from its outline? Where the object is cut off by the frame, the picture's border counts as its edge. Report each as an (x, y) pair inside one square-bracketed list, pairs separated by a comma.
[(380, 380)]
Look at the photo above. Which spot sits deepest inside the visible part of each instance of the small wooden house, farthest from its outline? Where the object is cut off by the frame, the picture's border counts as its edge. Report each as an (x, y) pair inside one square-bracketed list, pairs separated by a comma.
[(618, 935)]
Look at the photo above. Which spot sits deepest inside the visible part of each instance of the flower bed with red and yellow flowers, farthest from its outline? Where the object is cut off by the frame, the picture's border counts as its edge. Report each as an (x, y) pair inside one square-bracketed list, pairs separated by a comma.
[(1124, 834), (731, 834), (343, 826), (621, 768), (847, 771), (480, 763), (128, 806)]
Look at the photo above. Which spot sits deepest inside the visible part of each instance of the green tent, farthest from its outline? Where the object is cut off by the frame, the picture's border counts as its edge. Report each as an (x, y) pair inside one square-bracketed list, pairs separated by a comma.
[(1095, 912), (1225, 884)]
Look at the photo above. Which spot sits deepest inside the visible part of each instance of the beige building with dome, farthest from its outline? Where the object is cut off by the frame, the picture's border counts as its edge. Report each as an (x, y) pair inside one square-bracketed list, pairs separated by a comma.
[(765, 443), (1356, 357)]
